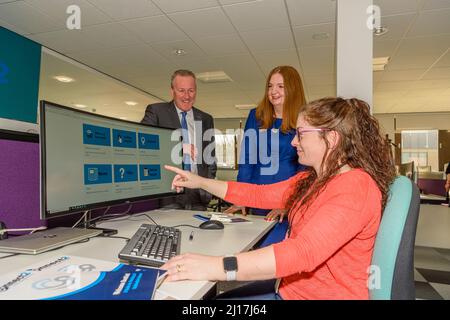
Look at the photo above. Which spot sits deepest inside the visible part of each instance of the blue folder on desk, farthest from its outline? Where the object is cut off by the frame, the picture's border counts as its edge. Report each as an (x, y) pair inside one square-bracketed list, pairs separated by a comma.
[(123, 283), (77, 278)]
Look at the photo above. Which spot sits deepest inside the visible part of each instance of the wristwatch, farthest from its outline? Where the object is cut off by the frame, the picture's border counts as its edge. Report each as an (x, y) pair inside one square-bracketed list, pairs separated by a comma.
[(230, 267)]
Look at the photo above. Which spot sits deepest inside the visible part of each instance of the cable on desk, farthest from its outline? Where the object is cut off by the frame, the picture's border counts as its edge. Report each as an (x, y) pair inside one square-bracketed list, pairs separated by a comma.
[(185, 225), (117, 237)]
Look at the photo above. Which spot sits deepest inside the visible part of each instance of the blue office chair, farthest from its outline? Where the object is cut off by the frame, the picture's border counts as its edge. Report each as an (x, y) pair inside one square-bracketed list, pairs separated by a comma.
[(392, 268)]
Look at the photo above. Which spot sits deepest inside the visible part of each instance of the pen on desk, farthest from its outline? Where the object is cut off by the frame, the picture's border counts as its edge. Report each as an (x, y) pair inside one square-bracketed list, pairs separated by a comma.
[(191, 236)]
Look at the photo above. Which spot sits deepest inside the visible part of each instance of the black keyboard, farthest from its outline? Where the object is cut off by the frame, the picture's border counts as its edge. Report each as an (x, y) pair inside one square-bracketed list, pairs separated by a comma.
[(152, 245)]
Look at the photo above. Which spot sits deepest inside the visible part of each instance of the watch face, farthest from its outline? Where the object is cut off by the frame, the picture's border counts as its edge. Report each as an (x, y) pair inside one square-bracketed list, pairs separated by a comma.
[(230, 264)]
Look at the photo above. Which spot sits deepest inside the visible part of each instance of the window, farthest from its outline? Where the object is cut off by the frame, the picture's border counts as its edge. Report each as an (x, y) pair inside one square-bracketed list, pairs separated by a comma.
[(226, 150), (420, 146)]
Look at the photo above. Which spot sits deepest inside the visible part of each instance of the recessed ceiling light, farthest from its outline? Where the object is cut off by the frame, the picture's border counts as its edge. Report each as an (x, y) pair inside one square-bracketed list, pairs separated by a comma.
[(379, 31), (81, 106), (179, 52), (64, 79), (321, 36), (214, 76), (123, 118), (131, 103)]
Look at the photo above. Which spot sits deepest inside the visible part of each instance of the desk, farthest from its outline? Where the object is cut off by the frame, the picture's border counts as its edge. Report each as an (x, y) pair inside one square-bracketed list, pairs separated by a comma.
[(433, 227), (232, 239), (432, 198)]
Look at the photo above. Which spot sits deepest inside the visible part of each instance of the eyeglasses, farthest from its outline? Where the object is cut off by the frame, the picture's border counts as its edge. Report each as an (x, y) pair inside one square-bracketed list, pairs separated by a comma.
[(300, 131)]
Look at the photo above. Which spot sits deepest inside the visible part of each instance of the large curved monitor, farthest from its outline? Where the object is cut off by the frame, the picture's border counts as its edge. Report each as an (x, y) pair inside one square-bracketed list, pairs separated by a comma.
[(90, 161)]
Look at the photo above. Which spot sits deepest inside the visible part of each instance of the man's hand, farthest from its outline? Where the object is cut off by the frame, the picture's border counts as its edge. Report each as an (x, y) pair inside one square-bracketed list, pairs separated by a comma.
[(233, 209)]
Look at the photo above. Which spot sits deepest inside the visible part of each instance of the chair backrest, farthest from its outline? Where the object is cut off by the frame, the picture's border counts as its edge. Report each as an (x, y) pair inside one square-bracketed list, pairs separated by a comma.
[(392, 268), (423, 168)]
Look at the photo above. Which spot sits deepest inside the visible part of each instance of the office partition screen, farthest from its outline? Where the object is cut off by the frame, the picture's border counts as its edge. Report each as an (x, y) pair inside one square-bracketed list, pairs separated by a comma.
[(90, 161)]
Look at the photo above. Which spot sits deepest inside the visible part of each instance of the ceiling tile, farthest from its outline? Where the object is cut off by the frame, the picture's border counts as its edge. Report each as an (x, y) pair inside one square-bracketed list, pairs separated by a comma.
[(270, 60), (170, 6), (227, 2), (201, 65), (241, 68), (438, 84), (316, 80), (317, 60), (436, 4), (385, 48), (268, 40), (258, 15), (444, 61), (304, 35), (430, 23), (397, 26), (111, 35), (421, 52), (394, 86), (304, 12), (149, 29), (13, 28), (121, 10), (166, 49), (389, 7), (425, 94), (403, 75), (222, 45), (203, 23), (57, 11), (437, 73), (26, 18), (66, 40)]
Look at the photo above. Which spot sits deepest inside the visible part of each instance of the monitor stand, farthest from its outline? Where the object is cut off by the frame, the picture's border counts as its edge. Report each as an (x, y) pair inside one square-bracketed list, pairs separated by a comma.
[(87, 224)]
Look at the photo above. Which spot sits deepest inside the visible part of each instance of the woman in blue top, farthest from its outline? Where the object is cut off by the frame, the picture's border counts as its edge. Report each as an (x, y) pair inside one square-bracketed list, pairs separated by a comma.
[(266, 152)]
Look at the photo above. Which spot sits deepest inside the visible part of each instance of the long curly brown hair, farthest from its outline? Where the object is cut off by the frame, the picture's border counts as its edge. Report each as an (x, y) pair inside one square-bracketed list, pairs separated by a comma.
[(361, 145)]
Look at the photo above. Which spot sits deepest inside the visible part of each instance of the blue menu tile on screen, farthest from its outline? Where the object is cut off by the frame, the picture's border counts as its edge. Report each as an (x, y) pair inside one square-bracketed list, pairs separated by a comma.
[(124, 139), (95, 135), (150, 172), (97, 174), (148, 141), (125, 173)]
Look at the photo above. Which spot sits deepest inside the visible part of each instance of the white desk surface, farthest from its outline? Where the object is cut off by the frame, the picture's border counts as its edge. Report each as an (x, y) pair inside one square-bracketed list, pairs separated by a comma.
[(232, 239), (432, 197), (433, 227)]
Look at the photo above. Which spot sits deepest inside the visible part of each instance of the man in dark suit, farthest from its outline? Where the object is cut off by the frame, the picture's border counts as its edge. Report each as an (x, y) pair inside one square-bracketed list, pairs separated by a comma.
[(180, 113)]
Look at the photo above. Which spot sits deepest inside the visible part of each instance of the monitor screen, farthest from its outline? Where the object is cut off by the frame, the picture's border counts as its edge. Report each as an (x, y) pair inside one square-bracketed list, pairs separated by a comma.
[(90, 161)]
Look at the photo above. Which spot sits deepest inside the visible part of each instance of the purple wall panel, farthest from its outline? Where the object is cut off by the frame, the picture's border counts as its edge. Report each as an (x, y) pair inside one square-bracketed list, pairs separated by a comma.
[(19, 184)]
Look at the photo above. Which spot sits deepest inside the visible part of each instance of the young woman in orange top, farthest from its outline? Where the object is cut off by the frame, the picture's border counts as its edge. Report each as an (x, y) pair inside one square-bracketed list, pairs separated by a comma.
[(334, 210)]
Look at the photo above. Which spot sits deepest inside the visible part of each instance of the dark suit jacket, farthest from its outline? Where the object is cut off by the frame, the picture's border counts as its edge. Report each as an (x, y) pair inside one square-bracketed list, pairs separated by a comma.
[(165, 115)]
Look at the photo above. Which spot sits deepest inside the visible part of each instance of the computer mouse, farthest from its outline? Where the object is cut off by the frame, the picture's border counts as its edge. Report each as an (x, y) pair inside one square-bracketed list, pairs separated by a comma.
[(212, 225)]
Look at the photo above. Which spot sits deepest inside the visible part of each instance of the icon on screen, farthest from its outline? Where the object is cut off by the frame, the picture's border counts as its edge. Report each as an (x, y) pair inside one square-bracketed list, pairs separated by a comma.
[(92, 174), (119, 138), (143, 140), (89, 133), (145, 172)]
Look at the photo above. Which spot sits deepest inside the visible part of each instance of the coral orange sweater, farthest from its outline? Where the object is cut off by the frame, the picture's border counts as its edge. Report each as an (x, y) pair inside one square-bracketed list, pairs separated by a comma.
[(328, 252)]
